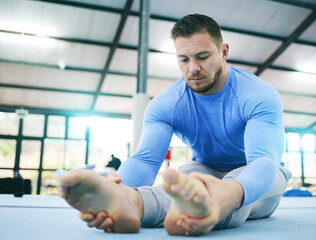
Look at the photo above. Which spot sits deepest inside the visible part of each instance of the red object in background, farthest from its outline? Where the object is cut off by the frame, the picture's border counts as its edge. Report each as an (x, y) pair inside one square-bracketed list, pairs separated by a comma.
[(168, 156)]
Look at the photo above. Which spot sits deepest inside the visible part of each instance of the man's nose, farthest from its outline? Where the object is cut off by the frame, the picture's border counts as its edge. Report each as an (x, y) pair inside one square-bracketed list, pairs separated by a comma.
[(194, 68)]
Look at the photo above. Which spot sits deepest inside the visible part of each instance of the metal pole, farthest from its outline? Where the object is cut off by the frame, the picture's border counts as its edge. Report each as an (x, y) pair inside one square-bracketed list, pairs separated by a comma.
[(140, 98), (302, 161), (143, 46), (87, 138), (40, 168), (18, 148)]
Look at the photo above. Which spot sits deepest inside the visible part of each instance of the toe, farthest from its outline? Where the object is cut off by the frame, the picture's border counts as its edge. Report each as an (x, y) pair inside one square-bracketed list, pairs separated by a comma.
[(170, 176)]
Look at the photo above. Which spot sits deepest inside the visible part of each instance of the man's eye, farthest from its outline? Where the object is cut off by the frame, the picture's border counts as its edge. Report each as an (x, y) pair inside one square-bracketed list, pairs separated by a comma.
[(202, 58), (184, 60)]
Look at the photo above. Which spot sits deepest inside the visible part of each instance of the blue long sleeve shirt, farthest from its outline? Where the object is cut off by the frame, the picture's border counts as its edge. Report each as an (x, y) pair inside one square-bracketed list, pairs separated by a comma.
[(240, 125)]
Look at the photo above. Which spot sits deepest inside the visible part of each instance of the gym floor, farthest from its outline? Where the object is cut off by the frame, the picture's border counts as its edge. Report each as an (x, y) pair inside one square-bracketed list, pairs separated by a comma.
[(49, 217)]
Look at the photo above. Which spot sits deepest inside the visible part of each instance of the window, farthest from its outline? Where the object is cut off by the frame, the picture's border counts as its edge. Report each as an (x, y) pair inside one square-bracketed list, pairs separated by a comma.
[(107, 136), (49, 183), (293, 141), (33, 125), (77, 127), (75, 154), (56, 127), (6, 173), (111, 136), (30, 154), (9, 123), (7, 153), (310, 167), (97, 156), (32, 175), (308, 143), (60, 154), (54, 157), (293, 163)]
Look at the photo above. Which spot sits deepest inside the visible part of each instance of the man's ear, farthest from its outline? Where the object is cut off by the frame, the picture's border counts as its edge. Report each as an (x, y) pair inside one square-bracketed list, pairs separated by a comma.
[(225, 51)]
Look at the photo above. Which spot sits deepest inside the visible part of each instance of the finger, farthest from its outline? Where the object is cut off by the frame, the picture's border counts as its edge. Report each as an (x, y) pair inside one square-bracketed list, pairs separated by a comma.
[(199, 230), (190, 230), (199, 225), (99, 219), (114, 177), (184, 226), (107, 225), (109, 230), (86, 217)]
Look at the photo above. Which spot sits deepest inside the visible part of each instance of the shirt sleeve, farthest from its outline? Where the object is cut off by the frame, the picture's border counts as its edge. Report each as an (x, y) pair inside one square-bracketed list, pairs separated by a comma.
[(142, 168), (264, 145)]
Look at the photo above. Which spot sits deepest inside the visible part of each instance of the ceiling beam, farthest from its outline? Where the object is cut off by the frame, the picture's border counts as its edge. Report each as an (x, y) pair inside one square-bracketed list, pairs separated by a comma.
[(297, 94), (297, 3), (301, 130), (83, 5), (114, 46), (118, 10), (35, 64), (293, 36), (7, 85), (311, 126), (299, 113), (59, 112), (65, 39), (17, 86), (72, 68)]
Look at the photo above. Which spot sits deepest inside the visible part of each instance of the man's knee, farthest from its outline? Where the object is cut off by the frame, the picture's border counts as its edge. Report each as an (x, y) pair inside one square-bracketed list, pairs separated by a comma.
[(265, 208), (235, 219)]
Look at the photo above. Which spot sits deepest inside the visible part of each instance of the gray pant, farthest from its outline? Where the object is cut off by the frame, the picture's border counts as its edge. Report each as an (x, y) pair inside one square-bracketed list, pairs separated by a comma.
[(156, 201)]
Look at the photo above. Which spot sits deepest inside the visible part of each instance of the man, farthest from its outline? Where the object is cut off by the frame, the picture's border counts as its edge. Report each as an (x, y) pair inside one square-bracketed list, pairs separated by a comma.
[(231, 119)]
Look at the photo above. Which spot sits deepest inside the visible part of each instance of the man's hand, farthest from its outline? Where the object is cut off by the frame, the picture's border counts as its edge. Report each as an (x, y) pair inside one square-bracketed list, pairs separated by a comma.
[(225, 197), (101, 220)]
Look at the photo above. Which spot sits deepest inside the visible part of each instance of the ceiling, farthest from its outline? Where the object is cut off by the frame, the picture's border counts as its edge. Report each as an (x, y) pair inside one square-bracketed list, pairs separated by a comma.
[(80, 56)]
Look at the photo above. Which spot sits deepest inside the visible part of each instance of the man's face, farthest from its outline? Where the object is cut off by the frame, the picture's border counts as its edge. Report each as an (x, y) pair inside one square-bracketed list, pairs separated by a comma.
[(201, 63)]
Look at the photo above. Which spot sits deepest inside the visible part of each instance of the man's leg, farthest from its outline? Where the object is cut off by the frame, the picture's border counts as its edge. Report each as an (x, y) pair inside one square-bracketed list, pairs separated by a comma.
[(88, 192), (156, 201), (261, 208)]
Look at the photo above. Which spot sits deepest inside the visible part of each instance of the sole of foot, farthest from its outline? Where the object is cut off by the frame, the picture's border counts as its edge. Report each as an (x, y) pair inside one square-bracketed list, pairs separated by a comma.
[(86, 191)]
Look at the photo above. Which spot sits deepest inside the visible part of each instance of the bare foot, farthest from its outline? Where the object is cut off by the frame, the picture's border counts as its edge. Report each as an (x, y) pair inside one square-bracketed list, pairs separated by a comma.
[(88, 192), (190, 197)]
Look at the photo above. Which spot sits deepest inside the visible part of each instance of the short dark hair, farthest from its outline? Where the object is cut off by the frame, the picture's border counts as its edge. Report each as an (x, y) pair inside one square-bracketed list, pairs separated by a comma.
[(195, 23)]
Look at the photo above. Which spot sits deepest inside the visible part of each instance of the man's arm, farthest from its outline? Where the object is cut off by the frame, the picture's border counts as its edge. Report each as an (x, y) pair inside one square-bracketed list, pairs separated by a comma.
[(264, 146), (142, 168)]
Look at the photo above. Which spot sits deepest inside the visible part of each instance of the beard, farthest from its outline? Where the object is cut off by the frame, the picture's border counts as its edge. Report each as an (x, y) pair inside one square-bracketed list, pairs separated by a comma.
[(197, 88)]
